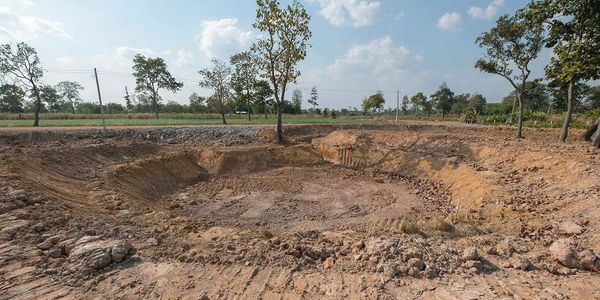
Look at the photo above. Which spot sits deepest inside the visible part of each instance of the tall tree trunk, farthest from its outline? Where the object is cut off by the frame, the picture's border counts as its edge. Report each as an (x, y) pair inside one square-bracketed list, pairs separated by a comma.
[(590, 132), (265, 109), (38, 106), (512, 112), (249, 117), (520, 123), (223, 117), (279, 125), (155, 100), (564, 132)]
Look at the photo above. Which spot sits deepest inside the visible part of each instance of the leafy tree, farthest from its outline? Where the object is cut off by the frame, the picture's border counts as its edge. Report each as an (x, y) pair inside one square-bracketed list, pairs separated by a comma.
[(25, 68), (286, 36), (405, 103), (559, 91), (11, 98), (174, 107), (151, 75), (461, 103), (314, 97), (244, 78), (114, 108), (262, 95), (69, 93), (144, 103), (593, 98), (128, 102), (535, 96), (88, 108), (197, 103), (574, 35), (427, 106), (51, 97), (373, 103), (476, 103), (510, 46), (218, 79), (296, 101), (417, 100), (443, 99)]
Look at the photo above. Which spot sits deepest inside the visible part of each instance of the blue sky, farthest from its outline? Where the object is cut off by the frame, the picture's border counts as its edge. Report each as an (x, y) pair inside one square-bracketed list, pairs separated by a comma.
[(358, 46)]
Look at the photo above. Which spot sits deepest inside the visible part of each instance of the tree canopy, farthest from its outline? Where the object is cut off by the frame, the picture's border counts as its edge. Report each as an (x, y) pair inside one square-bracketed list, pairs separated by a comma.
[(24, 68), (510, 47), (443, 99), (374, 102), (218, 79), (574, 35), (151, 75), (284, 44)]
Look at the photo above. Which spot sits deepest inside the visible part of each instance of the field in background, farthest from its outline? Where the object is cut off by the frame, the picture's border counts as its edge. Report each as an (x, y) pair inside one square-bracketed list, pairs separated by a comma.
[(179, 119), (145, 119)]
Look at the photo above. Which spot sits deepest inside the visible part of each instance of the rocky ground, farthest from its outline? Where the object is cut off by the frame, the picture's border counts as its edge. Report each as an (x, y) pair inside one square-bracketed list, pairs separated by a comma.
[(409, 211)]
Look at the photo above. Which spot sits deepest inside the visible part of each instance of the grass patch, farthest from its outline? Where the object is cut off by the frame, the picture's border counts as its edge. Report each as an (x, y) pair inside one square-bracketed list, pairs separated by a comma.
[(170, 121)]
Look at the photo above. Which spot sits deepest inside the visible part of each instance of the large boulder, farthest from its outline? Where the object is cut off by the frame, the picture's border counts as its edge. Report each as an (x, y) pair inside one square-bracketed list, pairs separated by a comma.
[(90, 252), (564, 253)]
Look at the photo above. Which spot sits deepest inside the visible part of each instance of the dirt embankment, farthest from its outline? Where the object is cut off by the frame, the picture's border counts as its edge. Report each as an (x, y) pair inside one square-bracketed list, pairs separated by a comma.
[(369, 212)]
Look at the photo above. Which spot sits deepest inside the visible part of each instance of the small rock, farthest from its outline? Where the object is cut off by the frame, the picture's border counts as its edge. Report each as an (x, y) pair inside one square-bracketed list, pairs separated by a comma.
[(476, 264), (328, 263), (504, 248), (562, 252), (390, 270), (470, 253), (521, 263), (152, 242), (360, 245), (589, 261), (17, 195), (571, 228), (55, 253), (416, 264), (411, 253)]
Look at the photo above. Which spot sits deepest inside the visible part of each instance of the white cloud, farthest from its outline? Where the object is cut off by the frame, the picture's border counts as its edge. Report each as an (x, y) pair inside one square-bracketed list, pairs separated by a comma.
[(449, 20), (126, 54), (379, 58), (26, 28), (397, 17), (184, 57), (348, 12), (485, 13), (222, 38)]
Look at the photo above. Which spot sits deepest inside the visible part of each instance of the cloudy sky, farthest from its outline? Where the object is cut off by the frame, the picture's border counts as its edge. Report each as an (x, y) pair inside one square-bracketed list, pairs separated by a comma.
[(358, 46)]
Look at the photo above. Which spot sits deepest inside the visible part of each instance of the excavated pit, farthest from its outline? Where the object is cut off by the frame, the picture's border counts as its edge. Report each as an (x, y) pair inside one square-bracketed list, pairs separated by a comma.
[(349, 213)]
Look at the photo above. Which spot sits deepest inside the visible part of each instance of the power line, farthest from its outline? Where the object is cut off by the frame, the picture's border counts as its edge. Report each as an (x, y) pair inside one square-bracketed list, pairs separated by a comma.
[(195, 80)]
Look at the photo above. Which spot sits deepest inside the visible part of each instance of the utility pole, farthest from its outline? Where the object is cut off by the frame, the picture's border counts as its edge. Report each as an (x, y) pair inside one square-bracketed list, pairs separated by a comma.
[(397, 105), (100, 99)]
